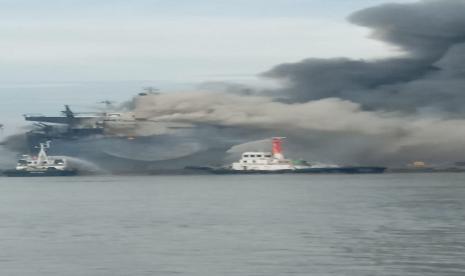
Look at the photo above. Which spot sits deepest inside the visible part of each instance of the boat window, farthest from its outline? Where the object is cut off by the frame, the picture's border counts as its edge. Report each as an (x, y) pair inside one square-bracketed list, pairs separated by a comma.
[(253, 155), (246, 155), (259, 156), (58, 162), (268, 155)]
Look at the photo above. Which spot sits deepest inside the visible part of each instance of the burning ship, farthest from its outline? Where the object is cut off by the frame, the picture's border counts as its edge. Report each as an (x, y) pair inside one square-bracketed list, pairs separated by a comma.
[(133, 141), (128, 141)]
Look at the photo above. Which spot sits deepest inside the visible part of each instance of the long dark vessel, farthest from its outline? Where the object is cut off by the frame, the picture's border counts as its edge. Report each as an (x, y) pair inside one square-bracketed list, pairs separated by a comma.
[(41, 165), (275, 163), (50, 172), (321, 170), (128, 140)]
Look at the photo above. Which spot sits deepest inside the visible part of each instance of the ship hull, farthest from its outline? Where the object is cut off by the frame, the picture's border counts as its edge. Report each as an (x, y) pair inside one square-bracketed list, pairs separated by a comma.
[(336, 170), (230, 171), (47, 173), (343, 170)]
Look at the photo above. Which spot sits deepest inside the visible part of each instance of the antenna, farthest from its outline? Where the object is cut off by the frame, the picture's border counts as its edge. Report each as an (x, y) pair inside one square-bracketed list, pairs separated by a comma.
[(42, 155), (108, 104), (151, 90), (45, 145)]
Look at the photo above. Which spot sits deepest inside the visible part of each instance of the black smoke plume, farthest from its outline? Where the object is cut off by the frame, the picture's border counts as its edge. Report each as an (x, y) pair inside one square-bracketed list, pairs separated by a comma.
[(428, 74)]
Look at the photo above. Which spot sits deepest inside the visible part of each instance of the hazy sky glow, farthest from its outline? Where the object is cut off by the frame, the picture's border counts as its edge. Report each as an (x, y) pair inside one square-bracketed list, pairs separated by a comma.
[(79, 52), (172, 40)]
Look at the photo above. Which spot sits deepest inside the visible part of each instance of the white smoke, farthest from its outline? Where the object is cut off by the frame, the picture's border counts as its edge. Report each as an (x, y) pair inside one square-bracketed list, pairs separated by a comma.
[(389, 135), (84, 166)]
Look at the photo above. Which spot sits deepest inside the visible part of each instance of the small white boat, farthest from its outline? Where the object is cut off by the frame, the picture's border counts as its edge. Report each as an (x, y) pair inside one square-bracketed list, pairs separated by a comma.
[(41, 165)]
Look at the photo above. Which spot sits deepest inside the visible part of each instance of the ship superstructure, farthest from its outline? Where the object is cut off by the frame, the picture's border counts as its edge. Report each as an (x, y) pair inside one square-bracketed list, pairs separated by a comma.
[(130, 140), (265, 161), (122, 123), (73, 125)]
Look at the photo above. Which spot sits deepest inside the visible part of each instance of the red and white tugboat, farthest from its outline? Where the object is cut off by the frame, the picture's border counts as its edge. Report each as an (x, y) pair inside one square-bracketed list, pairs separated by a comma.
[(265, 161), (274, 162)]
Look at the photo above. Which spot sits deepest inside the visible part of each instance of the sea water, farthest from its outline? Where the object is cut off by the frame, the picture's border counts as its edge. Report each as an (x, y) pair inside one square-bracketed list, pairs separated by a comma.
[(391, 224)]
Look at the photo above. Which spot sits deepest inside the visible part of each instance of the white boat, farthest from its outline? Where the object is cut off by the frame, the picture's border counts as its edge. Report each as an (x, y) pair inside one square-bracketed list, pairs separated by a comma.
[(266, 161), (274, 162), (41, 165)]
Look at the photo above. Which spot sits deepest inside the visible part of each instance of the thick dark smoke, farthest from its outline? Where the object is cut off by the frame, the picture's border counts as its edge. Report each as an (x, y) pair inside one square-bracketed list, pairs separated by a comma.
[(386, 111), (429, 75), (425, 29)]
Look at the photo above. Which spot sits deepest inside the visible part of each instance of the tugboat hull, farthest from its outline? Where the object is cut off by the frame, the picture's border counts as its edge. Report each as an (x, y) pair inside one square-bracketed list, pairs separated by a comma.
[(335, 170), (48, 173), (343, 170), (231, 171)]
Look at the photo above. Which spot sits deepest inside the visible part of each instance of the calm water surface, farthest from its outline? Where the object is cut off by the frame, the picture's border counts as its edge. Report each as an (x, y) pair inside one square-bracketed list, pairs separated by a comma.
[(234, 225)]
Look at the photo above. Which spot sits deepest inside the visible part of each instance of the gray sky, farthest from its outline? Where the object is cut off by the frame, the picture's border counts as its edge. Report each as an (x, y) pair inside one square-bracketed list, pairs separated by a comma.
[(65, 40), (64, 51)]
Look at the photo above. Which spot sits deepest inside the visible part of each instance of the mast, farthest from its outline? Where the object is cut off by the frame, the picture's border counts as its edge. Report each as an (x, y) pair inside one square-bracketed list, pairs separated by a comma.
[(277, 149), (42, 156)]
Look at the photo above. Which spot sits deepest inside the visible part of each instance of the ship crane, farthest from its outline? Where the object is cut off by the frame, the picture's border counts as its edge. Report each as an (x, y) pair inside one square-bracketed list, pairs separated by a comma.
[(67, 112), (42, 157), (149, 91)]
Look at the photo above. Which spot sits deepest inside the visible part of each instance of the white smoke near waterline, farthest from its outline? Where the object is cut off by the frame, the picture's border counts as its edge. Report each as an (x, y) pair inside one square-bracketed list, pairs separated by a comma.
[(387, 134)]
